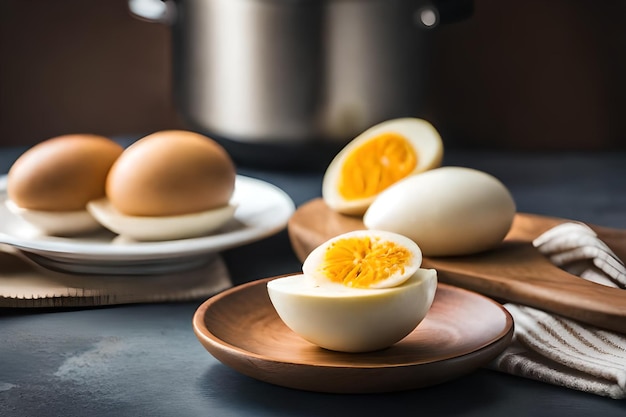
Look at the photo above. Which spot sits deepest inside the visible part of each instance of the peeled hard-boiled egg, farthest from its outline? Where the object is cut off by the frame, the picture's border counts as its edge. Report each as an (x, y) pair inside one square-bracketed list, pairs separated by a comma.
[(168, 185), (50, 184), (448, 211), (378, 158), (359, 292)]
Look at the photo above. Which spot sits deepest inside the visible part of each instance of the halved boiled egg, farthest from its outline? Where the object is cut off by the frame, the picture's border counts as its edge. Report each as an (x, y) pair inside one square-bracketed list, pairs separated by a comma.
[(378, 158), (359, 292), (364, 259)]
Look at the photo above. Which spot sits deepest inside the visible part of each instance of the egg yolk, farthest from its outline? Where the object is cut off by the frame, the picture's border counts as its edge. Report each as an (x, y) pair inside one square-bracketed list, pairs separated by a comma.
[(376, 165), (362, 261)]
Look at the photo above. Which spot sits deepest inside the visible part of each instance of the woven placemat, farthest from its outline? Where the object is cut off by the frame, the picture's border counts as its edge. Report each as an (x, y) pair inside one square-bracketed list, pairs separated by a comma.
[(26, 284)]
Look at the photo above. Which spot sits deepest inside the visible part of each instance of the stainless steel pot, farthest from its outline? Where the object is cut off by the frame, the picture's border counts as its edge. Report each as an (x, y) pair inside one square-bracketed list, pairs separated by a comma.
[(296, 74)]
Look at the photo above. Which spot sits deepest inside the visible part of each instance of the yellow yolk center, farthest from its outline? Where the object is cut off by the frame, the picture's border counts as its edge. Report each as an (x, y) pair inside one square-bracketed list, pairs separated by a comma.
[(376, 165), (362, 261)]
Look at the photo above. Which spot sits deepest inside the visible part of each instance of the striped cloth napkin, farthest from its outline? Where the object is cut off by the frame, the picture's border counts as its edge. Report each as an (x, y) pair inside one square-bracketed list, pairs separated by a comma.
[(560, 351)]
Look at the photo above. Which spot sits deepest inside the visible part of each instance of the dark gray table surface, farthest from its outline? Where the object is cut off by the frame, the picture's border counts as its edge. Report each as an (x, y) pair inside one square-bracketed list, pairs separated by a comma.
[(144, 360)]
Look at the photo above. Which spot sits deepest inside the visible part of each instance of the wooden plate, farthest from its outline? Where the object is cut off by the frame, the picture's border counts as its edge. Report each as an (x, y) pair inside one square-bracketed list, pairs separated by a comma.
[(515, 272), (462, 331)]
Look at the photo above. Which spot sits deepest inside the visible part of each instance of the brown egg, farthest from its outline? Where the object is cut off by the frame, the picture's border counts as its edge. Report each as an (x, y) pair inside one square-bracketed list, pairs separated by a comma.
[(62, 173), (170, 173)]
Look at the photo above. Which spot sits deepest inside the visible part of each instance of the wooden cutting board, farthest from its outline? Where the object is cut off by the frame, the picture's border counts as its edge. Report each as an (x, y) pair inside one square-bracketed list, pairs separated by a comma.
[(515, 272)]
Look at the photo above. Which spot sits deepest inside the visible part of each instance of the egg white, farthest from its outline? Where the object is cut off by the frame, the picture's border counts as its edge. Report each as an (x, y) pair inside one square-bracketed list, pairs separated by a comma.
[(352, 319), (152, 228), (56, 223)]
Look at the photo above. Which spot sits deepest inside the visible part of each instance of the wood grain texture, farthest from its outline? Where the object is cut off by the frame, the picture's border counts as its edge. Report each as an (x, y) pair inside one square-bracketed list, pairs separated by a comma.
[(514, 272), (462, 331)]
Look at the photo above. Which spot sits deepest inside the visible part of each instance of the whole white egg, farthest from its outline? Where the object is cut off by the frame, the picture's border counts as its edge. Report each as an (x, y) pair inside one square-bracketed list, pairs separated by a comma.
[(448, 211)]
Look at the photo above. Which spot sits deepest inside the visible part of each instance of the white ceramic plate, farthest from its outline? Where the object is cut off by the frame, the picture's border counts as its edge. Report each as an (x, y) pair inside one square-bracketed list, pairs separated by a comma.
[(262, 210)]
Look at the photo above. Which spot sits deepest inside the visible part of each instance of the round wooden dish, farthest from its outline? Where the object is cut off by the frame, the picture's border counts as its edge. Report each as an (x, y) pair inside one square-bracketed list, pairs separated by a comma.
[(462, 332)]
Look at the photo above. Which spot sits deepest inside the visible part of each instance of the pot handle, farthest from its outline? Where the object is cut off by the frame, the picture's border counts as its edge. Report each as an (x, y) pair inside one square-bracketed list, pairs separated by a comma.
[(159, 11)]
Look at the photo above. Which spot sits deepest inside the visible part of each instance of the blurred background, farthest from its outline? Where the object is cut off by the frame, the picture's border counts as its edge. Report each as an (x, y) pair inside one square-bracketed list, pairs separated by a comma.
[(517, 75)]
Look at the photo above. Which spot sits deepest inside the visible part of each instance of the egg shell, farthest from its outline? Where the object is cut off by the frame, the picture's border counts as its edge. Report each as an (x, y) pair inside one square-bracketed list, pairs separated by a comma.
[(352, 319), (171, 173), (447, 211), (62, 173), (422, 136)]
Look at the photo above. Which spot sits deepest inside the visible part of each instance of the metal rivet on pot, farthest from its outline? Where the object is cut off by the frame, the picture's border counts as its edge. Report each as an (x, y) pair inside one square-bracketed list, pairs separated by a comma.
[(427, 17)]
